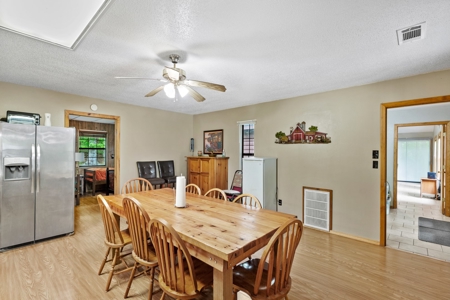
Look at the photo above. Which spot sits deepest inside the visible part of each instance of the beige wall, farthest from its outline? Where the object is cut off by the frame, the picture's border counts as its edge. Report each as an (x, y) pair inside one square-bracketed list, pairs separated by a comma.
[(351, 117), (146, 134)]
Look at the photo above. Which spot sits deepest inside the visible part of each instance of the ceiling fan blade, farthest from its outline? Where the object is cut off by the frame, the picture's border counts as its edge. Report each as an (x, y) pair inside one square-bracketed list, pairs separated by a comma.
[(147, 78), (203, 84), (155, 91), (194, 94)]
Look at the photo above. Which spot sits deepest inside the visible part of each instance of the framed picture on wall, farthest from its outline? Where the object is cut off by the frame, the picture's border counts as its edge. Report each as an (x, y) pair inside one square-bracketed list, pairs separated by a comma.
[(213, 141)]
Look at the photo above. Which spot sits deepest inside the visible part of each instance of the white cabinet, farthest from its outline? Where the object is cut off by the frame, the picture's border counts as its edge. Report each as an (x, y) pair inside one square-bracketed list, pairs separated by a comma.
[(260, 180)]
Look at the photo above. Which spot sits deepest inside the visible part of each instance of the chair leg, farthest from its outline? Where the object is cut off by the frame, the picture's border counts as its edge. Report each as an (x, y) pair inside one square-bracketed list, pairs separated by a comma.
[(131, 279), (162, 297), (152, 276), (113, 264), (104, 261)]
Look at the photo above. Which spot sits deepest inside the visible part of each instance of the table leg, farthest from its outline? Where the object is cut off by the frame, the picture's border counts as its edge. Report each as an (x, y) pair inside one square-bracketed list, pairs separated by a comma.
[(223, 282)]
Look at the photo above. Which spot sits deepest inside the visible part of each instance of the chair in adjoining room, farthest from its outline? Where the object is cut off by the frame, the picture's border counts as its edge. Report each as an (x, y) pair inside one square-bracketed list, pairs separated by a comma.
[(167, 172), (136, 185), (109, 181), (143, 251), (216, 193), (269, 277), (147, 170), (181, 276), (236, 186), (193, 189), (115, 240), (248, 199)]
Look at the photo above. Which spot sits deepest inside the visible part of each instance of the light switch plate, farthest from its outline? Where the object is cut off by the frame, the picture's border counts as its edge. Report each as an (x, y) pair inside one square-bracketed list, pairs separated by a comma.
[(375, 154)]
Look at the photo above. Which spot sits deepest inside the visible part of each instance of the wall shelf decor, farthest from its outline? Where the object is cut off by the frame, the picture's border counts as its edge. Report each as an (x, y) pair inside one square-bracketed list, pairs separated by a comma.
[(300, 135)]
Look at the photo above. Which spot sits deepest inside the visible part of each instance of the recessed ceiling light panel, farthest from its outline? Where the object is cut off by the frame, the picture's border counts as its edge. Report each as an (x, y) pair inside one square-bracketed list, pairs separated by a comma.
[(62, 23)]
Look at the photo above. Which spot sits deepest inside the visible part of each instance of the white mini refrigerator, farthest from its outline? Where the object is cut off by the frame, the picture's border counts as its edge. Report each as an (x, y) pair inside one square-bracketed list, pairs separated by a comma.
[(260, 180)]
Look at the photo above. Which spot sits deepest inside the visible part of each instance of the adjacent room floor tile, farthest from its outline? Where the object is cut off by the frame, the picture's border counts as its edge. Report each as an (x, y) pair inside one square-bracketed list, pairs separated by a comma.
[(402, 223)]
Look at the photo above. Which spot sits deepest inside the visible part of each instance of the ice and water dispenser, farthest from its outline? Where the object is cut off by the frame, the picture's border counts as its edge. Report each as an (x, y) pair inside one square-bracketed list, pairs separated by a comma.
[(16, 168)]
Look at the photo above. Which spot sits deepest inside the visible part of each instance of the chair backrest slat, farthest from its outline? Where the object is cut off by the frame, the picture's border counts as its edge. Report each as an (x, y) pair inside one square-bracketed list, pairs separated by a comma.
[(136, 185), (112, 229), (172, 253), (248, 199), (216, 193), (193, 189), (138, 220), (278, 257)]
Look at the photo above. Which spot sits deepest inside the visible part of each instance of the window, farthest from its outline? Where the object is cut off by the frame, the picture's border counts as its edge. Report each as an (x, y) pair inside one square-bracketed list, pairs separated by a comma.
[(93, 145), (413, 159), (248, 140)]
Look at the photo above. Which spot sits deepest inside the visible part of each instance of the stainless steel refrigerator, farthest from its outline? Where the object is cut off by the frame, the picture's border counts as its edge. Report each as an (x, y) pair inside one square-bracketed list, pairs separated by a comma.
[(36, 183)]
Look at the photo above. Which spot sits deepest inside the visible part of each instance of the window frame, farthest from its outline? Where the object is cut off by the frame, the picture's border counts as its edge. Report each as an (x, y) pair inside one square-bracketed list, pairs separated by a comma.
[(241, 139), (93, 134)]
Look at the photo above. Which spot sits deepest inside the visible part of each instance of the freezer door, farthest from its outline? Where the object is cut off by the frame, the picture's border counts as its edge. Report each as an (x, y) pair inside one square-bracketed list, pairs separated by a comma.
[(16, 188), (253, 178), (55, 169)]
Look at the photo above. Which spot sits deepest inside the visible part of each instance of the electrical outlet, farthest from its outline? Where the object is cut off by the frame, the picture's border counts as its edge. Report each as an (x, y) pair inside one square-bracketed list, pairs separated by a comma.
[(280, 202)]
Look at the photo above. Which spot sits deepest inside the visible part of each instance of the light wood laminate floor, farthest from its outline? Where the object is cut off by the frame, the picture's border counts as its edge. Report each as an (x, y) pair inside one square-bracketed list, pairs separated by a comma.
[(326, 266)]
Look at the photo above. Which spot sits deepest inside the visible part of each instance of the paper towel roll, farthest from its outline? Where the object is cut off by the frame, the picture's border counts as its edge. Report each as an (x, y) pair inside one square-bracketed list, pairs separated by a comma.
[(180, 197)]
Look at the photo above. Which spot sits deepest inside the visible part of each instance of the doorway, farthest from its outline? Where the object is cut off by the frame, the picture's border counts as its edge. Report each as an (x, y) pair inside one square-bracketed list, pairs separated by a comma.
[(71, 113), (414, 153), (445, 189)]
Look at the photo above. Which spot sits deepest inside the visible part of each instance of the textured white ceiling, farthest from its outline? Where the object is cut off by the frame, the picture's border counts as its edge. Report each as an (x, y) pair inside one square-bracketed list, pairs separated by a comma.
[(260, 50)]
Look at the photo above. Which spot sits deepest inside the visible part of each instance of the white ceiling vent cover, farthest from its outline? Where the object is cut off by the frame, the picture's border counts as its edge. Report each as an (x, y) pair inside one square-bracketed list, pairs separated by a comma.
[(412, 33), (316, 209)]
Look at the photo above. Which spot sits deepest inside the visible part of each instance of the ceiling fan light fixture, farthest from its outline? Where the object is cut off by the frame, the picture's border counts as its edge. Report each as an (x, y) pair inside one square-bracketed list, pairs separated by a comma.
[(183, 90), (169, 89)]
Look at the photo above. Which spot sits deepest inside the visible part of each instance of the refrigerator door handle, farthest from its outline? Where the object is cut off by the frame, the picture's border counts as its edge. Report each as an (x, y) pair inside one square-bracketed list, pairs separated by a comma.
[(33, 156), (38, 166)]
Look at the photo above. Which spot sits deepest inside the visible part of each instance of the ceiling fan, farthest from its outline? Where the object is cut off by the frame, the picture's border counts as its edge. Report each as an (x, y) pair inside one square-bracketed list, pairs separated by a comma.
[(177, 85)]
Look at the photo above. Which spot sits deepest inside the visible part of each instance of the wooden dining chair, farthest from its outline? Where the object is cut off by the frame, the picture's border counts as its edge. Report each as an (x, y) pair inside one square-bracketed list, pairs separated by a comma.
[(181, 276), (193, 189), (216, 193), (143, 251), (115, 240), (136, 185), (248, 199), (269, 277)]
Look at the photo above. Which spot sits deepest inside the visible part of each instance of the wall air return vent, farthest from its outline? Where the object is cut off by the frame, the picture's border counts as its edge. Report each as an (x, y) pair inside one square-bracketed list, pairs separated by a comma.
[(317, 208), (411, 33)]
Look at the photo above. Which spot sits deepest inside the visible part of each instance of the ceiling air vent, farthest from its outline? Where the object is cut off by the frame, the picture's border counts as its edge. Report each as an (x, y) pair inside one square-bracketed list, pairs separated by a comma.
[(412, 33)]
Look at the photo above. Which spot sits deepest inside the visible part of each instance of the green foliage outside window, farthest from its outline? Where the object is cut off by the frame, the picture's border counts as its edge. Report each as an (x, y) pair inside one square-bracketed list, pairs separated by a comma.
[(94, 149)]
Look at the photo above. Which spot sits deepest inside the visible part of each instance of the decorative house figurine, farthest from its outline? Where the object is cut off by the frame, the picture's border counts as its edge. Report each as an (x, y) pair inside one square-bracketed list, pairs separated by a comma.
[(299, 134)]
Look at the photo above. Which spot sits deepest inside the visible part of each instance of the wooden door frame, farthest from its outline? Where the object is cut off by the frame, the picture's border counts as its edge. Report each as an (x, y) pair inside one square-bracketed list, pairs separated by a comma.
[(396, 126), (383, 150), (116, 119)]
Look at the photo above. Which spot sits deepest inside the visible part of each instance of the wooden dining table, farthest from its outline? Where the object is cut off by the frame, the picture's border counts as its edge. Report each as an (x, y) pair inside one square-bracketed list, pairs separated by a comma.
[(218, 232)]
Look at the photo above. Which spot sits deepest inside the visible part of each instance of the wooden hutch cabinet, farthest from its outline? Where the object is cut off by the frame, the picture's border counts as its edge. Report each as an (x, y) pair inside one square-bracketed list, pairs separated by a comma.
[(208, 172)]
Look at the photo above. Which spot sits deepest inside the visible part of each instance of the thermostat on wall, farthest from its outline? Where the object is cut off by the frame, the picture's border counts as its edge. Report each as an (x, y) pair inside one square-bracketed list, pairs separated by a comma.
[(94, 107)]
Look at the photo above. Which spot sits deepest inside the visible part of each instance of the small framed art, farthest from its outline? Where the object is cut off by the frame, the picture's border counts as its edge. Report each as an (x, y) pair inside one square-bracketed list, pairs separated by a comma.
[(213, 141)]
